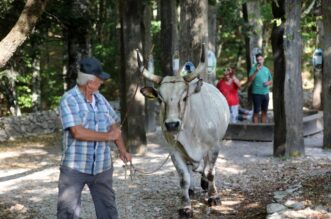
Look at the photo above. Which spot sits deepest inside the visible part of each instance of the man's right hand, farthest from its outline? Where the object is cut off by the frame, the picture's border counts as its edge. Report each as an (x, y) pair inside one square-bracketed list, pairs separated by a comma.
[(114, 133)]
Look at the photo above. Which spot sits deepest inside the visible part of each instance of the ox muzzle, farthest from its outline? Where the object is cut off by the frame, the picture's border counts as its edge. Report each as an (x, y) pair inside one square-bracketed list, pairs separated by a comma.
[(172, 125)]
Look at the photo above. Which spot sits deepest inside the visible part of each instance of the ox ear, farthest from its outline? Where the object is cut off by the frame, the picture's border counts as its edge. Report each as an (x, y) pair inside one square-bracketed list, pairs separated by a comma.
[(150, 93)]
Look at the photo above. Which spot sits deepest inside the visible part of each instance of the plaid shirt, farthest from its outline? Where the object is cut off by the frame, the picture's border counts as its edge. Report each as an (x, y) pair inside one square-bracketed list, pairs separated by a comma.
[(91, 157)]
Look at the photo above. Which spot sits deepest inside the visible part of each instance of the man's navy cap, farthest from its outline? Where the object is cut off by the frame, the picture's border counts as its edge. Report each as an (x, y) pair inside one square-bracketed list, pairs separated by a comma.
[(92, 66)]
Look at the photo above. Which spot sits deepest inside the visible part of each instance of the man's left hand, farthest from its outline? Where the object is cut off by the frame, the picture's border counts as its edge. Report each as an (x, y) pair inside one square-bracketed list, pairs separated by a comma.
[(125, 156)]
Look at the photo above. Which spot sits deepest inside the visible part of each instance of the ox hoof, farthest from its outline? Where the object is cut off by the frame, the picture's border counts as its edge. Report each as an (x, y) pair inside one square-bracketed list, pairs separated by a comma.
[(213, 201), (204, 183), (191, 192), (185, 212)]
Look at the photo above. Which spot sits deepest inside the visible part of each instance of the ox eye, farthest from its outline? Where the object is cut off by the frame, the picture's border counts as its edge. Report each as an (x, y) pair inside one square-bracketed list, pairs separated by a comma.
[(185, 99)]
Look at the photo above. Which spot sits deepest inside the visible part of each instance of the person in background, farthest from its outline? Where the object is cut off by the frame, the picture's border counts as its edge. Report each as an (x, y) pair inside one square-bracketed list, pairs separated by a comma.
[(260, 79), (89, 124), (229, 85)]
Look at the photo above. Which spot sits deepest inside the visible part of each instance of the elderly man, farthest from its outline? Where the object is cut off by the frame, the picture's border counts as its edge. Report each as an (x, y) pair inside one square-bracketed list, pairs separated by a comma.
[(89, 124)]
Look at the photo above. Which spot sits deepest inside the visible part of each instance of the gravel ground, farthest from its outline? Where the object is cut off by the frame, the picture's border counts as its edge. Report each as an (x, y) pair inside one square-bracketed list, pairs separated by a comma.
[(246, 174)]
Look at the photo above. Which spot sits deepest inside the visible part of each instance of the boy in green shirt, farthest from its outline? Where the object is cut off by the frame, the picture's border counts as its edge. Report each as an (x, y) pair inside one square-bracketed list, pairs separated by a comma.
[(260, 78)]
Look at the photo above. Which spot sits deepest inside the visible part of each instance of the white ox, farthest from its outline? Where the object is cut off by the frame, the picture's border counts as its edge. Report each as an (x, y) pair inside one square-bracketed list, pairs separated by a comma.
[(194, 117)]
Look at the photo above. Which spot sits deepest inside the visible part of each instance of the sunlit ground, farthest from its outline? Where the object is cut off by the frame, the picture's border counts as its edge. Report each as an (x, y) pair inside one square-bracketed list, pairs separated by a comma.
[(246, 176)]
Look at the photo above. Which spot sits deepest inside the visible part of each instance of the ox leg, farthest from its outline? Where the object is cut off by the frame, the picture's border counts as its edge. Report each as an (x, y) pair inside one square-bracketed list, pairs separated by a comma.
[(191, 188), (184, 178), (209, 175)]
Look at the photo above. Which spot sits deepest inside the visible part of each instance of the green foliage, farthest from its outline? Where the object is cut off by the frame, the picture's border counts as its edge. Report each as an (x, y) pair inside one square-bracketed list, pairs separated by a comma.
[(52, 87), (155, 27), (46, 47), (229, 15), (155, 32), (212, 2), (5, 6), (23, 91), (309, 40), (266, 12), (230, 33), (108, 53)]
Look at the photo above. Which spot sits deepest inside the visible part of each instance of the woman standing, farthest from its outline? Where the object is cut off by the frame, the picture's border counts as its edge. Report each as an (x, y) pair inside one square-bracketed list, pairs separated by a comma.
[(229, 86)]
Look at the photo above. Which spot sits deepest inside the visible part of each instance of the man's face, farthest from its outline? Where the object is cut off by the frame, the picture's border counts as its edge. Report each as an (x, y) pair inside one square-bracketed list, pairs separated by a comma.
[(260, 60), (94, 85)]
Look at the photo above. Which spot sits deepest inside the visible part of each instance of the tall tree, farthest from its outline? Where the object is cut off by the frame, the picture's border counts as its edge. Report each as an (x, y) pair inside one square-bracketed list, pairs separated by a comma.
[(212, 25), (293, 81), (193, 31), (77, 35), (253, 39), (326, 12), (7, 88), (149, 61), (21, 30), (247, 44), (212, 40), (317, 92), (291, 143), (168, 36), (255, 27), (278, 11), (132, 109)]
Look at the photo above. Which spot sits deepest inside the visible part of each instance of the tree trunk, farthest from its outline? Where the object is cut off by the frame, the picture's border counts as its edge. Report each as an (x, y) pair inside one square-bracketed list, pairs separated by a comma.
[(7, 88), (292, 143), (326, 86), (255, 24), (253, 39), (247, 40), (23, 27), (193, 32), (132, 109), (77, 37), (293, 81), (278, 79), (212, 27), (36, 91), (149, 61), (212, 42), (168, 35), (317, 92)]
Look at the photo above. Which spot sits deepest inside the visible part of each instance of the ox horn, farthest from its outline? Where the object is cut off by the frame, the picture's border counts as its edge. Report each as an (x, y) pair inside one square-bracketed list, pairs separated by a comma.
[(201, 67), (156, 79)]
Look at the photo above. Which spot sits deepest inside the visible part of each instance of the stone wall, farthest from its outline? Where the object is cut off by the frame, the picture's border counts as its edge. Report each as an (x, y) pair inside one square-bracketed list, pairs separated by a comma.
[(29, 125)]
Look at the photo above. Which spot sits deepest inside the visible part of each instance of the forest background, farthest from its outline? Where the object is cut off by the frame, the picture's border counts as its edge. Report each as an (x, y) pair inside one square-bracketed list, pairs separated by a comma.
[(37, 73), (35, 77)]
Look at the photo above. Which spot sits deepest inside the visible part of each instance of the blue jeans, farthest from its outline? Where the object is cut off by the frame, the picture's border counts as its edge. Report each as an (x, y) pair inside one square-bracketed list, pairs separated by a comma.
[(71, 184), (234, 113)]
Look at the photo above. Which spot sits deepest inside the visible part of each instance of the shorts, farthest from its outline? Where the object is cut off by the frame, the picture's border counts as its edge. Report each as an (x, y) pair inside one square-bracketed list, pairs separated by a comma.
[(260, 102)]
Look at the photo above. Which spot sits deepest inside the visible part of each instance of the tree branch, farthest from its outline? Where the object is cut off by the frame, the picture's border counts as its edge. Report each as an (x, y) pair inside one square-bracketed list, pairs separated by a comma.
[(33, 9)]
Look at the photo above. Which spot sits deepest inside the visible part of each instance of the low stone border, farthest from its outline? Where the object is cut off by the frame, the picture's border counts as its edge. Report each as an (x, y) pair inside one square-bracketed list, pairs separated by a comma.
[(29, 125), (285, 206), (48, 122), (312, 124), (32, 124)]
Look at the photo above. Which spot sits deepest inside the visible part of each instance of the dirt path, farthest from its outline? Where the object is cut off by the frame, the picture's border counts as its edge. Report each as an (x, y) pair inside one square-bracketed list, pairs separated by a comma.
[(247, 177)]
